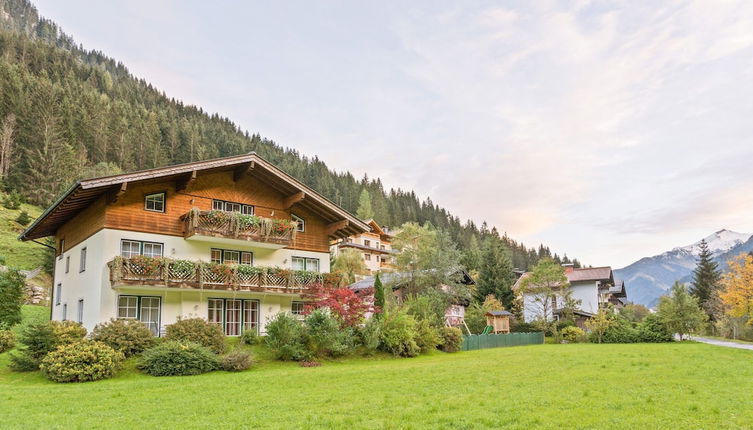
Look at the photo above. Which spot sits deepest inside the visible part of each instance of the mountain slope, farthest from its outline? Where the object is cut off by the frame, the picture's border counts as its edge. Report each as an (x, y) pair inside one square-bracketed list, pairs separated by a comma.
[(650, 277)]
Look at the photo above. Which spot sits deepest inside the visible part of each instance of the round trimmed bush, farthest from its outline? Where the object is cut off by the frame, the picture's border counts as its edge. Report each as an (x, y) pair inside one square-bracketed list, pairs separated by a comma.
[(451, 339), (66, 332), (7, 340), (199, 331), (81, 361), (572, 334), (127, 336), (398, 334), (173, 358), (41, 337), (249, 337), (236, 361)]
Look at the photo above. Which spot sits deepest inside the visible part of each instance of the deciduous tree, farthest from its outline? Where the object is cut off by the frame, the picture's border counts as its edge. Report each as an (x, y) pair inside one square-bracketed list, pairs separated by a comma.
[(737, 294), (679, 311), (541, 287), (349, 263)]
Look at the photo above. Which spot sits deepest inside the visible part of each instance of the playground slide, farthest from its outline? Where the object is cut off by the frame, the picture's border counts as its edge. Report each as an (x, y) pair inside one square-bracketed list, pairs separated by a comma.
[(487, 329)]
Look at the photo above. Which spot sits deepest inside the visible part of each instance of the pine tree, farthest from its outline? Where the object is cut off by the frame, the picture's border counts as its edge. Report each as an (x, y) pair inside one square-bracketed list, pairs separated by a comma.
[(706, 279), (379, 299), (472, 256), (11, 297), (364, 206), (495, 274)]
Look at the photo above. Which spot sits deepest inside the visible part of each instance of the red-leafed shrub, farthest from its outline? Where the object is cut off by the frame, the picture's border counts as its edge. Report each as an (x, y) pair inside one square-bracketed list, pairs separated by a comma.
[(346, 305)]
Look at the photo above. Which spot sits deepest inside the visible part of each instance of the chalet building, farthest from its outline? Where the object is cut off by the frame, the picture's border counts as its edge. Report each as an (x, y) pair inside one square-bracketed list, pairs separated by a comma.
[(594, 287), (374, 246), (233, 240)]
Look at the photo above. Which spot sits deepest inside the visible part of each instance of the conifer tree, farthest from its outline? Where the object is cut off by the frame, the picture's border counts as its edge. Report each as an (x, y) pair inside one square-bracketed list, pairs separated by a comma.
[(379, 299), (495, 274), (11, 297), (473, 255), (364, 206), (706, 279)]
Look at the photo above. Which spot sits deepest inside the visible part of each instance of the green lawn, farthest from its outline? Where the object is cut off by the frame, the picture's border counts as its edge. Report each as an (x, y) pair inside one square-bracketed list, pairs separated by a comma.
[(685, 385), (23, 255)]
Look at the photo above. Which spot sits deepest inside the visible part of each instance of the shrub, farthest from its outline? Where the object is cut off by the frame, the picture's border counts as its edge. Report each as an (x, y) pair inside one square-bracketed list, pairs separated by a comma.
[(522, 327), (81, 361), (7, 340), (369, 334), (11, 297), (427, 337), (451, 339), (198, 331), (429, 306), (572, 334), (41, 337), (652, 329), (398, 334), (12, 201), (286, 338), (619, 331), (325, 337), (563, 324), (249, 337), (475, 318), (23, 218), (127, 336), (174, 358), (236, 361)]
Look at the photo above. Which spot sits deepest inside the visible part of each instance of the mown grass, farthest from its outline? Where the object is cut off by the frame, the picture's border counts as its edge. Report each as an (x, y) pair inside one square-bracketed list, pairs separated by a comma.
[(587, 386), (22, 255)]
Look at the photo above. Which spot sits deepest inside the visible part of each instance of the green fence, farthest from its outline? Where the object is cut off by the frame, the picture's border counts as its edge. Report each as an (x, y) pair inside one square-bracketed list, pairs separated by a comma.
[(483, 341)]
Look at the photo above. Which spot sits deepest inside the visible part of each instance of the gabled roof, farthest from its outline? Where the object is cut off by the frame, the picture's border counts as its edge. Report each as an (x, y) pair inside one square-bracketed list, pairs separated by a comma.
[(85, 192), (499, 313), (579, 275)]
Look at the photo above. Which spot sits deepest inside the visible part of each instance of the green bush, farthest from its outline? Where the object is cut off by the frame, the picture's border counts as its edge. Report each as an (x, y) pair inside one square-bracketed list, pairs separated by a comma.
[(369, 335), (41, 337), (127, 336), (174, 358), (451, 339), (522, 327), (7, 340), (651, 329), (429, 306), (81, 361), (427, 337), (621, 331), (572, 334), (198, 331), (249, 337), (286, 338), (398, 334), (236, 361), (23, 218), (325, 337), (475, 318), (12, 201), (12, 284)]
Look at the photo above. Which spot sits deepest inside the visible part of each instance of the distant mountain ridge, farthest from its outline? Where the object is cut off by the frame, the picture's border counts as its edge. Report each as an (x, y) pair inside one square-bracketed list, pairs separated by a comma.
[(651, 277)]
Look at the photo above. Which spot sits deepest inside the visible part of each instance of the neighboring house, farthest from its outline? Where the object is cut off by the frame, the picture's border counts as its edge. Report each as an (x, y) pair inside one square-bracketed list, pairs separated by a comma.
[(454, 314), (374, 246), (593, 287), (233, 240)]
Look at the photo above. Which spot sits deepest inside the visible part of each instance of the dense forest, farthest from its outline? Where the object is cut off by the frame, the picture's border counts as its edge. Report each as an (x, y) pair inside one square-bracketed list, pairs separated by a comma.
[(68, 113)]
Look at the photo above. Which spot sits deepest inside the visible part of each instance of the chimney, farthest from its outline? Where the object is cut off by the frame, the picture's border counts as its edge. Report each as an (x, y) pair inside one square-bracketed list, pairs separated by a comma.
[(569, 267)]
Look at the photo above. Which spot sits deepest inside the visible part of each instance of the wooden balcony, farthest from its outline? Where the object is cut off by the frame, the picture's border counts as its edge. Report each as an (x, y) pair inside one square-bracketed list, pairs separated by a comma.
[(163, 272), (218, 226)]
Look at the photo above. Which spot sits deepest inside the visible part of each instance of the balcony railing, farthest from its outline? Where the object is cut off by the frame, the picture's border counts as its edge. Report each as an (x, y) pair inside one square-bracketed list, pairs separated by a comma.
[(232, 277), (239, 226)]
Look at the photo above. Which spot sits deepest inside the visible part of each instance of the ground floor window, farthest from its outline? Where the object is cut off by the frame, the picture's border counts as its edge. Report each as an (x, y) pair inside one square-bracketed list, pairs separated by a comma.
[(296, 308), (80, 313), (310, 264), (143, 308), (234, 316)]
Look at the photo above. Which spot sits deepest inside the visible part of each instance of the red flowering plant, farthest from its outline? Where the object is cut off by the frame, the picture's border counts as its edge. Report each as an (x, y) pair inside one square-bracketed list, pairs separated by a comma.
[(348, 306)]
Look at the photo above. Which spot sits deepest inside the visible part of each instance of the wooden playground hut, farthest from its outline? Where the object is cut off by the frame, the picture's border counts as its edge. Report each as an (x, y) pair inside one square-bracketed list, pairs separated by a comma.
[(499, 321)]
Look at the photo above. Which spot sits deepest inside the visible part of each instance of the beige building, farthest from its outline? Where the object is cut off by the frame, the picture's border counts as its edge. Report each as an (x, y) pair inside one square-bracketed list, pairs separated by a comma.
[(374, 246)]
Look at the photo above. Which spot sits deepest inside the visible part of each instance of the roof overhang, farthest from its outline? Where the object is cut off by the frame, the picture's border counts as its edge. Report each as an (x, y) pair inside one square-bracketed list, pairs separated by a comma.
[(85, 192)]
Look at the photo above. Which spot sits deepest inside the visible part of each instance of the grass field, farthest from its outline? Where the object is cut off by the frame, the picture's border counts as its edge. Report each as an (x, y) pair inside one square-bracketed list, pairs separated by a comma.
[(685, 385), (23, 255)]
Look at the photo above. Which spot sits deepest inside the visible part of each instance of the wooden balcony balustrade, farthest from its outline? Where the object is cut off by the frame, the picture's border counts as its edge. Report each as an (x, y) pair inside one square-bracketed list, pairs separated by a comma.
[(233, 225), (163, 272)]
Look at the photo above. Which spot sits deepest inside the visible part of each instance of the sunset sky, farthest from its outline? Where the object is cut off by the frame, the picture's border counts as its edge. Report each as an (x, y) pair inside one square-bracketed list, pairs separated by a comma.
[(607, 130)]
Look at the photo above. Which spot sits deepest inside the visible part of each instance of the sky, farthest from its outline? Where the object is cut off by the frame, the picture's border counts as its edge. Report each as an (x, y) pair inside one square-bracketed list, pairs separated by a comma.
[(609, 131)]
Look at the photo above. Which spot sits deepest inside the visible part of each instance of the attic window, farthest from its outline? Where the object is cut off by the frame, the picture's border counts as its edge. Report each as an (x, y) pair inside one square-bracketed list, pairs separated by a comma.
[(301, 223), (155, 202)]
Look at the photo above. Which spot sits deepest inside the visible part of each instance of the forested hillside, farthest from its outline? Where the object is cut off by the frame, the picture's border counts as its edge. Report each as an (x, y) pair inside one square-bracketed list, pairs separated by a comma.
[(68, 113)]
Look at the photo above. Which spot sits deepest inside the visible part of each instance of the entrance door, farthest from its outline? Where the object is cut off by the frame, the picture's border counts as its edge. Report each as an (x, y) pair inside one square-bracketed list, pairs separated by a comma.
[(149, 315), (233, 317)]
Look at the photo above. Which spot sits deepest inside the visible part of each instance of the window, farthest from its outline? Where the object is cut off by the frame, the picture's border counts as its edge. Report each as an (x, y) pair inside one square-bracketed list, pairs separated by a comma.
[(132, 248), (61, 250), (297, 308), (234, 316), (382, 247), (376, 257), (80, 312), (221, 205), (82, 263), (229, 256), (155, 202), (67, 264), (143, 308), (302, 263), (301, 223), (366, 242), (367, 257), (65, 311), (58, 293)]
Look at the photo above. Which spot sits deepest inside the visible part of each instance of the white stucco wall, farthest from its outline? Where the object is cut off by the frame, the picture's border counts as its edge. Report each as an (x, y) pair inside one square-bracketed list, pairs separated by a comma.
[(586, 292), (100, 299)]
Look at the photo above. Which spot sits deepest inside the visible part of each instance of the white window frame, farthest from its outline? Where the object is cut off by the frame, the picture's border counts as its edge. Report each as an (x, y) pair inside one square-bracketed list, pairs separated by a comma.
[(227, 206), (80, 312), (152, 198), (296, 307), (58, 293), (136, 303), (67, 264), (223, 258), (82, 262), (217, 306), (301, 227), (141, 244), (65, 311), (307, 261)]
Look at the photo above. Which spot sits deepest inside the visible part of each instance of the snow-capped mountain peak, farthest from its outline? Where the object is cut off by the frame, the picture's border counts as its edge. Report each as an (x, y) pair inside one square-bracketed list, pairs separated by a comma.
[(719, 242)]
